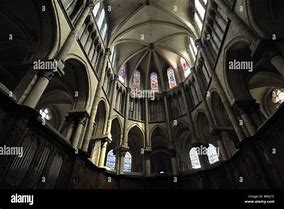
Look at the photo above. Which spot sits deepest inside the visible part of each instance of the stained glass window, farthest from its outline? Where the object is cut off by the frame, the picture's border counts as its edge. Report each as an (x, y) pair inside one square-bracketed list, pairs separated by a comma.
[(154, 82), (194, 158), (213, 155), (136, 80), (278, 96), (45, 114), (110, 162), (122, 73), (171, 78), (185, 67), (127, 162)]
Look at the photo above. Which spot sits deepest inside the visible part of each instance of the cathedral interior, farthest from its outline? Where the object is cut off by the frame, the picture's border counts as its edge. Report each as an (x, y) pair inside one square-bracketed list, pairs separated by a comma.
[(141, 94)]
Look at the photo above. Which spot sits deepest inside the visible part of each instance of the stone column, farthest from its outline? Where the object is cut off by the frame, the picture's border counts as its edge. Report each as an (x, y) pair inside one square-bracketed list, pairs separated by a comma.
[(69, 130), (168, 118), (70, 123), (82, 118), (242, 109), (222, 95), (192, 128), (223, 155), (127, 103), (174, 161), (112, 105), (104, 143), (121, 152), (203, 98), (204, 162), (38, 89), (89, 129), (147, 162), (147, 130)]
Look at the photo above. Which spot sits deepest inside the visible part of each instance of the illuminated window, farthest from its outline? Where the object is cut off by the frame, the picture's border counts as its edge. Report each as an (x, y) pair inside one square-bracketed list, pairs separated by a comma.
[(199, 12), (194, 158), (213, 155), (110, 162), (185, 66), (122, 73), (96, 9), (104, 30), (171, 78), (101, 18), (136, 80), (278, 96), (198, 21), (154, 82), (45, 114), (127, 162)]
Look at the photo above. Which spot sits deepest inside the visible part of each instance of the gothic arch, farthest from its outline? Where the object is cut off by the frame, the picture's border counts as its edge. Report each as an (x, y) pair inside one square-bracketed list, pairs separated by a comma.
[(235, 80), (100, 119), (136, 142), (25, 38), (202, 126), (160, 156), (218, 110), (67, 93)]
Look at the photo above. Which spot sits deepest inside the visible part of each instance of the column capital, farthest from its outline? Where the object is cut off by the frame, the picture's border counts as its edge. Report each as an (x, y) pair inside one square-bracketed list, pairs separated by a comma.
[(49, 68), (81, 116), (107, 52), (198, 43)]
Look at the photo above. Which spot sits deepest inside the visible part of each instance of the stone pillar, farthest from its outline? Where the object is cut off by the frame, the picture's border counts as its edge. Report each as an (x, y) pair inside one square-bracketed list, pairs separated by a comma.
[(90, 127), (223, 155), (147, 162), (112, 105), (70, 123), (243, 111), (168, 119), (222, 95), (121, 152), (104, 143), (69, 130), (173, 161), (203, 98), (192, 128), (38, 89), (43, 78), (81, 119), (147, 130), (127, 103), (204, 162)]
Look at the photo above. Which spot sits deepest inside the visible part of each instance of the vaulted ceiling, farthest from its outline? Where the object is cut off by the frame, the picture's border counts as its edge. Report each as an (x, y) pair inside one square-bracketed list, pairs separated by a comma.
[(150, 35)]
